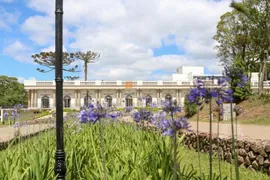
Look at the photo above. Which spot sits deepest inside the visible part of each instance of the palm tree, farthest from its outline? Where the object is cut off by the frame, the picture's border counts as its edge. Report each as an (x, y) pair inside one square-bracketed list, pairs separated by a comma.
[(87, 57)]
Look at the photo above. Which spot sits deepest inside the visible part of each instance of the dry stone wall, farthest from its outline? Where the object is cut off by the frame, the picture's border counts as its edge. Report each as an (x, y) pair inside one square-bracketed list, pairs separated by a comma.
[(252, 154)]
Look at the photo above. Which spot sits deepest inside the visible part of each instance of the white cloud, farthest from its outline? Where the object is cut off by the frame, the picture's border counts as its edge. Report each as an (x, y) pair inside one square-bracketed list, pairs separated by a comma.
[(19, 51), (8, 18), (125, 32), (52, 49), (21, 79)]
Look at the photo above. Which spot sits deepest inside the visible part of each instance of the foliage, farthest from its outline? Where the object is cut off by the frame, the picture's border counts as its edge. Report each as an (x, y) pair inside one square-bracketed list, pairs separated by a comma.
[(47, 59), (190, 109), (11, 92), (87, 57), (238, 81), (42, 114)]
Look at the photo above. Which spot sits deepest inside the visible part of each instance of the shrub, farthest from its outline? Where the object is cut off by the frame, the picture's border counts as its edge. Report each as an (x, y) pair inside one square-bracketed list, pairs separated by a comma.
[(189, 108)]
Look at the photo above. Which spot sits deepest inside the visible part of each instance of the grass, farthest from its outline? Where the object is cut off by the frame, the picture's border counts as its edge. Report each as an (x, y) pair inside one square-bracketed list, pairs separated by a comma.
[(245, 174), (130, 154)]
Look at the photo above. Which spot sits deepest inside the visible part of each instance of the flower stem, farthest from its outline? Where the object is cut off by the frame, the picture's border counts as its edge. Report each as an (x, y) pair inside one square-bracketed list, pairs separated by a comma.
[(102, 149), (233, 147), (175, 166), (210, 136), (218, 143), (198, 142)]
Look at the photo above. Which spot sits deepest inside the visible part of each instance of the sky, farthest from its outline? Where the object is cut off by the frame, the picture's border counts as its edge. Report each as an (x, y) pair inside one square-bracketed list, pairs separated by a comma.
[(137, 40)]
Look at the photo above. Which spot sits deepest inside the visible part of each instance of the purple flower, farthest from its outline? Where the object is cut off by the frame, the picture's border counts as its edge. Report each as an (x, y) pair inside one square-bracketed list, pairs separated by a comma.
[(5, 114), (16, 125), (128, 108), (168, 126), (95, 113), (143, 115), (169, 106)]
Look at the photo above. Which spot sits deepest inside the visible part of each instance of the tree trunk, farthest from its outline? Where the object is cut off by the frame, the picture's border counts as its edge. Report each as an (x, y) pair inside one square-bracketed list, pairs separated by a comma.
[(85, 71)]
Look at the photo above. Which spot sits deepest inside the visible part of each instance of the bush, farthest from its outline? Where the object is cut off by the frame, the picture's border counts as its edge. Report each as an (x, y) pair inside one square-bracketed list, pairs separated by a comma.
[(189, 108)]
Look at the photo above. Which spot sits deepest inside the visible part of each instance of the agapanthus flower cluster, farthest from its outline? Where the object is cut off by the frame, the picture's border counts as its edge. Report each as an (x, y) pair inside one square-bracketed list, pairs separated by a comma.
[(170, 107), (170, 126), (154, 105), (128, 109), (142, 115), (94, 113), (6, 115), (234, 73), (201, 94)]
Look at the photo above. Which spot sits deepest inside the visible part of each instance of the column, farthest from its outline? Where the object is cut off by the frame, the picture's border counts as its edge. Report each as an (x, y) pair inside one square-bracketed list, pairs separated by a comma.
[(120, 98), (35, 99), (99, 95), (177, 97), (2, 115), (117, 97), (79, 98), (96, 95), (54, 99), (76, 98), (32, 98), (29, 98), (158, 96), (180, 97)]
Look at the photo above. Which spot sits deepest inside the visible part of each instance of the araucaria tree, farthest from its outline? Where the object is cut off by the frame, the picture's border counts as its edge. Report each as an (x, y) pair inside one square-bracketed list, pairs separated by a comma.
[(47, 59), (87, 58)]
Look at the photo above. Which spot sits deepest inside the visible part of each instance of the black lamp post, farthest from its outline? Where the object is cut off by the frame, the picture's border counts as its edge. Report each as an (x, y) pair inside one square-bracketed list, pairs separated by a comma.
[(60, 165)]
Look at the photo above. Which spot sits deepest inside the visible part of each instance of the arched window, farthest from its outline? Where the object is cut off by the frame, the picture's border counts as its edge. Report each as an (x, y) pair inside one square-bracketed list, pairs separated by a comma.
[(129, 101), (45, 101), (148, 100), (89, 100), (108, 100), (67, 101), (168, 97)]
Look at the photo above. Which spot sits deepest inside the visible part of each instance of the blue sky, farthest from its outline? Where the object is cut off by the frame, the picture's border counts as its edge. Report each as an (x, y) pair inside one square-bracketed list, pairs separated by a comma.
[(26, 27)]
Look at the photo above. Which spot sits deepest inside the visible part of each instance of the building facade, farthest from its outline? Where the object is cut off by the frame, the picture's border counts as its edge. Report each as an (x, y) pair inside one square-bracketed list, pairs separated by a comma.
[(41, 94)]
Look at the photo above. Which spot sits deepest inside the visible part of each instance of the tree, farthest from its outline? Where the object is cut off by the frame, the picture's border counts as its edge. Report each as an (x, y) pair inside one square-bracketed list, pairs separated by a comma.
[(258, 12), (47, 59), (11, 92), (234, 40), (87, 57)]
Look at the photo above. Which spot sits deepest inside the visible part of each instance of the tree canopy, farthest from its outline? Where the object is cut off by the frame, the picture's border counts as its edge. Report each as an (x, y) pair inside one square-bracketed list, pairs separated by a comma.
[(87, 57), (11, 92), (47, 60)]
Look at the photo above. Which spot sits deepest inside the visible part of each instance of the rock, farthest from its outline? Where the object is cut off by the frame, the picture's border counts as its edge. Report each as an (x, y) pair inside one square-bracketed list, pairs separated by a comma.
[(267, 148), (266, 163), (255, 165), (242, 152), (240, 160), (228, 157), (261, 151), (247, 161), (251, 168), (247, 146), (253, 146), (240, 144), (251, 155), (260, 160)]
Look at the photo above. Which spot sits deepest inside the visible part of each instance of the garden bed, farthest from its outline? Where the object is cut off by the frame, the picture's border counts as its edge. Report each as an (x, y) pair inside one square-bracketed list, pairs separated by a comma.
[(130, 154)]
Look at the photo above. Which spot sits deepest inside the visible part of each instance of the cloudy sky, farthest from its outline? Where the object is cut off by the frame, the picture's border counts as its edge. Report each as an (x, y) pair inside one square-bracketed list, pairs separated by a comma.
[(137, 39)]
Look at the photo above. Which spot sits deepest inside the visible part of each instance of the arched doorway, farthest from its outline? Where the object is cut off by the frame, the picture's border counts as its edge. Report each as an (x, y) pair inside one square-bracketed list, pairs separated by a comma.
[(168, 97), (129, 101), (67, 100), (45, 101), (148, 100), (108, 100), (89, 100)]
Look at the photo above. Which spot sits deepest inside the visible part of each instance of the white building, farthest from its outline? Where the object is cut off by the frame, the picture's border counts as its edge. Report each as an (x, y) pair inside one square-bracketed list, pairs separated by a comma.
[(120, 93)]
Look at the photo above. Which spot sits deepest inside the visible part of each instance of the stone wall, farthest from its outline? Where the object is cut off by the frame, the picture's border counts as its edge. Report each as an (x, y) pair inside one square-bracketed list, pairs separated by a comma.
[(254, 155)]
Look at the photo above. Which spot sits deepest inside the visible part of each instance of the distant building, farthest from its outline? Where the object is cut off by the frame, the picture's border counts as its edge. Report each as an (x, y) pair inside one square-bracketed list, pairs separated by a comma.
[(122, 93)]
